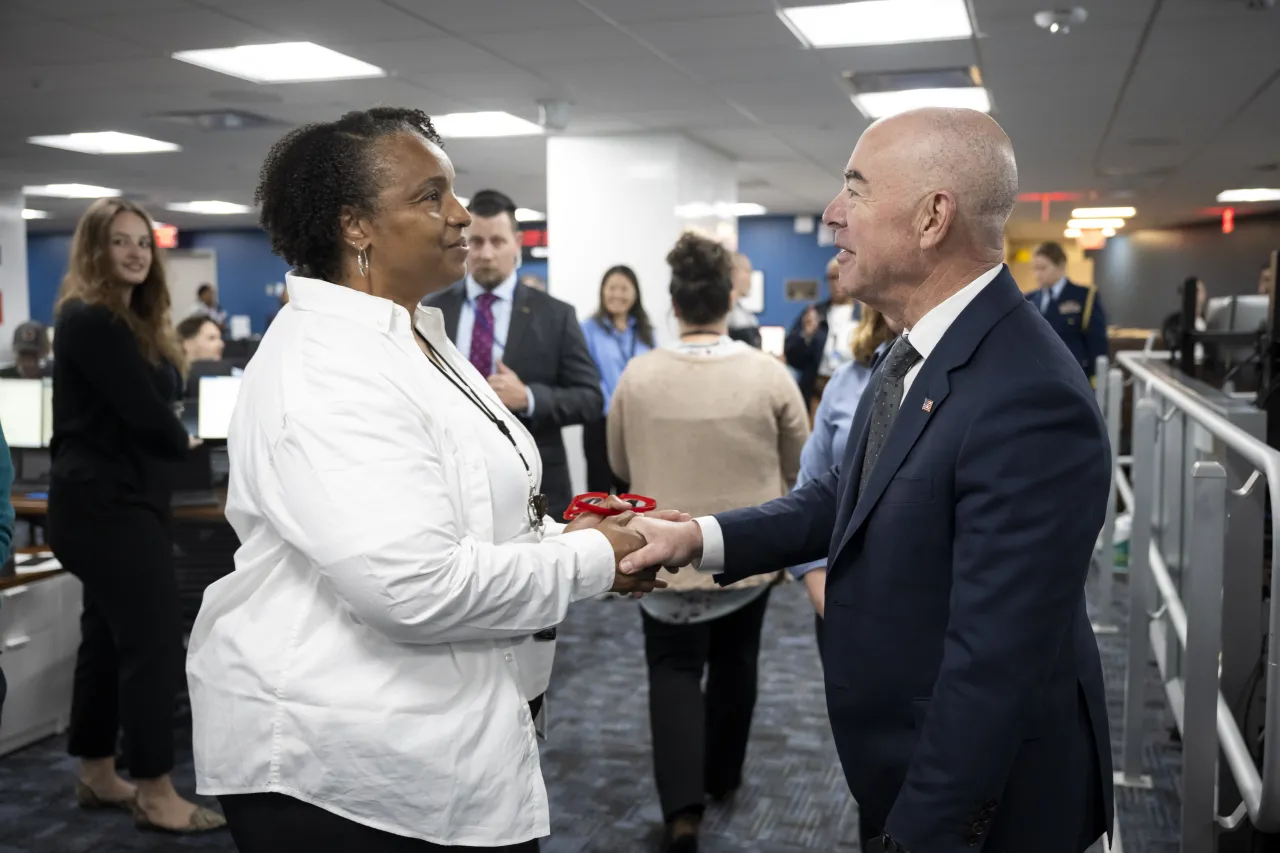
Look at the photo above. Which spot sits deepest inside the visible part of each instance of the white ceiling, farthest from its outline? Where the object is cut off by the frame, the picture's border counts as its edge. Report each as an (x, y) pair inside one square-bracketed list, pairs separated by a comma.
[(1156, 103)]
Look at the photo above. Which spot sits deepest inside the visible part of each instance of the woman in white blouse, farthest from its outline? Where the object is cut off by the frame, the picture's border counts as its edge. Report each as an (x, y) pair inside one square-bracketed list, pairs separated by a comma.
[(356, 682)]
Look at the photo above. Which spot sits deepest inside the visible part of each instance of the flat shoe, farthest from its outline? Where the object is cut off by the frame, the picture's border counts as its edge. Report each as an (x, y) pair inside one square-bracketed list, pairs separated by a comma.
[(87, 799), (202, 820)]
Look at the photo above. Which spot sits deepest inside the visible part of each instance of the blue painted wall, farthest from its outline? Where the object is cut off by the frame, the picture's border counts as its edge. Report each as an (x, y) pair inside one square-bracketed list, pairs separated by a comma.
[(774, 247), (246, 266)]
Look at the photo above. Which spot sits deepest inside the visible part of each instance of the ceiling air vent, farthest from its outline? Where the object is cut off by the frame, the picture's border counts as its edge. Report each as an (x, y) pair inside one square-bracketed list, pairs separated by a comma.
[(220, 120), (883, 93)]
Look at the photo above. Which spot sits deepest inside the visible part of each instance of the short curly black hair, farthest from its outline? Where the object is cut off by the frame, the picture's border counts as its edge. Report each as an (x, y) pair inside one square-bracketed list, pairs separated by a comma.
[(701, 279), (315, 171)]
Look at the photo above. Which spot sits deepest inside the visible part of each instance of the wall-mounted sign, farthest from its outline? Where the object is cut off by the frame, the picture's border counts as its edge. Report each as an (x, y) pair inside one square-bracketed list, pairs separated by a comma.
[(533, 240), (166, 236)]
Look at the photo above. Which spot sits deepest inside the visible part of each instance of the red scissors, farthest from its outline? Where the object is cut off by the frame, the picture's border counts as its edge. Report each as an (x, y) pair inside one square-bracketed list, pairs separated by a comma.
[(593, 502)]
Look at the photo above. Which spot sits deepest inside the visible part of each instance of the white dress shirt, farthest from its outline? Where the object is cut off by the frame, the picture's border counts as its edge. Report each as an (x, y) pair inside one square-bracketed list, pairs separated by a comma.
[(365, 656), (924, 337)]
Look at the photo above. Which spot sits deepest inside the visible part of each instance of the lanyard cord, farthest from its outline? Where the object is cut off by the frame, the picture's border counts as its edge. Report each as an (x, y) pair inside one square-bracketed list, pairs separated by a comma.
[(447, 371)]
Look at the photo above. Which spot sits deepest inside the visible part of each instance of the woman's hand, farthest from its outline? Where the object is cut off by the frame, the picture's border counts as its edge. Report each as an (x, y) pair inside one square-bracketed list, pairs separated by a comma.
[(626, 541), (815, 583), (193, 442)]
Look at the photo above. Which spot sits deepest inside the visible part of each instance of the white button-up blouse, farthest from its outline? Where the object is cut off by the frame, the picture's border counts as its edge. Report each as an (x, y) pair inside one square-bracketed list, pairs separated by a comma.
[(365, 655)]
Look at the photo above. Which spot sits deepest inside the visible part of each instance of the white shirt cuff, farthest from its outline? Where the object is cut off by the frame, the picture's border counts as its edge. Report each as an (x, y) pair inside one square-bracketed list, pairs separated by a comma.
[(712, 561), (528, 395)]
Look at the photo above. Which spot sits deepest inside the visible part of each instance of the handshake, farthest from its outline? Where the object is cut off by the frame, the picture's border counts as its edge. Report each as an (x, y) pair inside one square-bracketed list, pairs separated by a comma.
[(643, 544)]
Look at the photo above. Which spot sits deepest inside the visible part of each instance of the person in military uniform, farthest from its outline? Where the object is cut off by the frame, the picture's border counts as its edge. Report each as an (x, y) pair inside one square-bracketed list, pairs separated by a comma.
[(30, 352), (1073, 310)]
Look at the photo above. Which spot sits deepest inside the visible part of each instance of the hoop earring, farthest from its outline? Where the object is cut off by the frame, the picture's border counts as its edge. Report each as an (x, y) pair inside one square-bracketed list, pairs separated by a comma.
[(362, 261)]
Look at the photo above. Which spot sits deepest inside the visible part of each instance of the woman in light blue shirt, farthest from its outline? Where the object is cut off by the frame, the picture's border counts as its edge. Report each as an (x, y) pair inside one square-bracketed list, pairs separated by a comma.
[(6, 522), (825, 447), (618, 332)]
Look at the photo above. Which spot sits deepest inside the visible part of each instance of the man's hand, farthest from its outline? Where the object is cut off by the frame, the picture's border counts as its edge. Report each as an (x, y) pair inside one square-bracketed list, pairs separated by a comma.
[(626, 541), (815, 583), (669, 543), (510, 390)]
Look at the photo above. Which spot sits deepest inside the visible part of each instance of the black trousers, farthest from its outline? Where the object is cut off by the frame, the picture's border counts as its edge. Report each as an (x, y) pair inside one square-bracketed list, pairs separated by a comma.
[(700, 741), (275, 823), (129, 665), (595, 446)]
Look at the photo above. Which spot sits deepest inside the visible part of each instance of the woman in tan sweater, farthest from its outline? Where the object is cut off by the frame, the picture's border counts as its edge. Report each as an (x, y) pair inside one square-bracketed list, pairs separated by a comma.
[(706, 425)]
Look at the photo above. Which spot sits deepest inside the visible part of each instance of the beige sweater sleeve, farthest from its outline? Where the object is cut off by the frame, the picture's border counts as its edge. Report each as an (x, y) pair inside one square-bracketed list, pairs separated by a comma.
[(793, 426)]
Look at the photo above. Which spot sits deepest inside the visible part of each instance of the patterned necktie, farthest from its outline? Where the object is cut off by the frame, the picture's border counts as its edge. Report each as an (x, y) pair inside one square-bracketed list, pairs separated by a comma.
[(482, 335), (884, 408), (1046, 299)]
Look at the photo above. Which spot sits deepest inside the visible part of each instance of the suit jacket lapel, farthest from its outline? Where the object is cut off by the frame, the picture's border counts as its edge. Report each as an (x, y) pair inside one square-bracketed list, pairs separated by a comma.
[(521, 316), (932, 384), (451, 308)]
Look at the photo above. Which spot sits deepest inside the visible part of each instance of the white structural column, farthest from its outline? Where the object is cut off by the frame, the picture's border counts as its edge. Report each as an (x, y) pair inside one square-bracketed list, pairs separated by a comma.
[(625, 200), (14, 302)]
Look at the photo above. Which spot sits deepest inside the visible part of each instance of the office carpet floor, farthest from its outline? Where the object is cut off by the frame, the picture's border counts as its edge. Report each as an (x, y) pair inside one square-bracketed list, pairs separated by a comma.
[(597, 763)]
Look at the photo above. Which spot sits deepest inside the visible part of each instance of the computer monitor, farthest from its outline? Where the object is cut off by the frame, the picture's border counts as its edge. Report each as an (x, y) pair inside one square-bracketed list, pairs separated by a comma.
[(46, 392), (773, 340), (22, 412), (1237, 313), (217, 400)]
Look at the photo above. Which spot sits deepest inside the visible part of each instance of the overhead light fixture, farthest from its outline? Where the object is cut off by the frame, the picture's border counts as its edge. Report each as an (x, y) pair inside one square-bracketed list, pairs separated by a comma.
[(878, 22), (1060, 21), (525, 214), (719, 210), (880, 94), (214, 208), (463, 200), (876, 105), (1104, 212), (1071, 233), (1095, 224), (288, 62), (1250, 195), (1108, 232), (28, 213), (483, 124), (105, 142), (70, 191)]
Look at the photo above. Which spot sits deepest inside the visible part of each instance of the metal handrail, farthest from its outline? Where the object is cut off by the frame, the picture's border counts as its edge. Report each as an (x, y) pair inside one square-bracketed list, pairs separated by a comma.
[(1260, 793)]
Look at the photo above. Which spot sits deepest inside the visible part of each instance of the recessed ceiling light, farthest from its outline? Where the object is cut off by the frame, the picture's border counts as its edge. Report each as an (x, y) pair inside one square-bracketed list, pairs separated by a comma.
[(216, 208), (1104, 212), (105, 142), (524, 214), (1095, 224), (1071, 233), (289, 62), (70, 191), (483, 124), (1108, 232), (1250, 195), (878, 22), (876, 105), (28, 213), (463, 200), (748, 208), (719, 210)]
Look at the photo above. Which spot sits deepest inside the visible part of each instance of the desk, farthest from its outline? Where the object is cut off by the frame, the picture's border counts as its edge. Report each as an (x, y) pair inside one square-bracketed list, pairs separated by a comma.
[(36, 508)]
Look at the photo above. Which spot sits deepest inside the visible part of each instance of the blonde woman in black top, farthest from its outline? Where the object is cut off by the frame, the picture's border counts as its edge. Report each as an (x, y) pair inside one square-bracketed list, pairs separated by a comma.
[(117, 378)]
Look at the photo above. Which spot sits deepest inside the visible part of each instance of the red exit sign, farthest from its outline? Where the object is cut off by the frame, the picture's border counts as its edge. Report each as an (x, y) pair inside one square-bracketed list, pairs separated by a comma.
[(166, 236), (533, 237)]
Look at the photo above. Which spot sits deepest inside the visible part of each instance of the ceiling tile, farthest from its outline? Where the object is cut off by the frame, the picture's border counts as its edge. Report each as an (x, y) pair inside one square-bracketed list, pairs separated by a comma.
[(576, 44), (332, 22)]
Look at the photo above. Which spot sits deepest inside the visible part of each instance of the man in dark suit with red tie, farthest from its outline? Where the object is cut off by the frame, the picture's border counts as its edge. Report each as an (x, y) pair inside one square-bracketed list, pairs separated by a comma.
[(964, 685), (528, 344)]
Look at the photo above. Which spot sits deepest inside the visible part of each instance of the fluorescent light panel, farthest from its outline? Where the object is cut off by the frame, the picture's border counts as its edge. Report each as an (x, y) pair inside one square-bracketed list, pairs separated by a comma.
[(288, 62), (70, 191), (876, 105), (1108, 232), (483, 124), (1250, 195), (1104, 212), (1095, 224), (214, 208), (105, 142), (719, 210), (525, 214), (878, 22), (1071, 233), (28, 213)]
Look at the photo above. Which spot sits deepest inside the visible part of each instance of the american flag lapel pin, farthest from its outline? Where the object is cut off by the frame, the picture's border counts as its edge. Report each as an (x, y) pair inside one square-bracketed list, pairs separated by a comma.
[(928, 405)]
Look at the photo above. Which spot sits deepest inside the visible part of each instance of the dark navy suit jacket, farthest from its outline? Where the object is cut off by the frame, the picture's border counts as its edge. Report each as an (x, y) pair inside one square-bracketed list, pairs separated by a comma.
[(1067, 316), (964, 685)]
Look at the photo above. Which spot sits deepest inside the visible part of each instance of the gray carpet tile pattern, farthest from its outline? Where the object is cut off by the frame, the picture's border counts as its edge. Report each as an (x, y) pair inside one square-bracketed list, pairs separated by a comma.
[(598, 766)]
